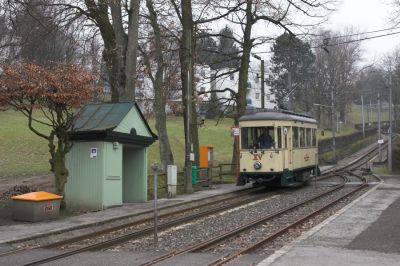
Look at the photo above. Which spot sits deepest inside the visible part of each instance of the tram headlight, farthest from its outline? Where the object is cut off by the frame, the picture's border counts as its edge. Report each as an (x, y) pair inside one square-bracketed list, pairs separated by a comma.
[(257, 165)]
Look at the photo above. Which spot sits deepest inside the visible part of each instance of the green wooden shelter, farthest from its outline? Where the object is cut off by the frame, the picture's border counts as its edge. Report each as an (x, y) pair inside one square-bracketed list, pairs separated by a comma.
[(108, 161)]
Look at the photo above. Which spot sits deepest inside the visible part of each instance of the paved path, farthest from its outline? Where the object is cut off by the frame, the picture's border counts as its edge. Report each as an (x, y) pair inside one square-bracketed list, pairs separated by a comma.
[(367, 232)]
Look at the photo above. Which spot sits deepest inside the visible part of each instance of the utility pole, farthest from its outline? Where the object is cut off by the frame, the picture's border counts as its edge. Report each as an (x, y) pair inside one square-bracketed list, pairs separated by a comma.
[(333, 123), (390, 167), (370, 112), (379, 128), (362, 111), (188, 144)]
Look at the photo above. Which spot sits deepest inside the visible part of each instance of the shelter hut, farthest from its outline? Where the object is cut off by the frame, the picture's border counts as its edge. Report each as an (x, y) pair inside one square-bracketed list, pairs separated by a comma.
[(108, 161)]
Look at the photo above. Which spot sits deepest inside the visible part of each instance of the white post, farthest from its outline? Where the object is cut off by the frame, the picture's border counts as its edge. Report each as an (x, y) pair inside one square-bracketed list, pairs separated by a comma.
[(172, 180)]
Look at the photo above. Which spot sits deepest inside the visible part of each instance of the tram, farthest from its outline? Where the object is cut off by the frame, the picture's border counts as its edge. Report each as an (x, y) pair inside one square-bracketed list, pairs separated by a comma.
[(277, 148)]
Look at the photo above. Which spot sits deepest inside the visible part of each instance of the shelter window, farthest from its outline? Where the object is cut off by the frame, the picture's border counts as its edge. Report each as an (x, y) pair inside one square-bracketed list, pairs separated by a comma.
[(257, 137), (295, 137), (302, 132)]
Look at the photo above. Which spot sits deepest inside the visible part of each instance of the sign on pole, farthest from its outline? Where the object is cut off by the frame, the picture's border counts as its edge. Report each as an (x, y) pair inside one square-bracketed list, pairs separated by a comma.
[(235, 131)]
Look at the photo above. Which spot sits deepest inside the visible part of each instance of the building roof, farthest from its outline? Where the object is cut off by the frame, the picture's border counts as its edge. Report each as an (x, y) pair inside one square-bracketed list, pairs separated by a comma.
[(100, 117), (96, 122), (277, 115)]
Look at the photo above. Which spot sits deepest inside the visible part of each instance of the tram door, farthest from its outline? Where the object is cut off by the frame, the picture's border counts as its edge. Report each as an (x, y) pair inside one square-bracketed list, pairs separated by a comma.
[(286, 154)]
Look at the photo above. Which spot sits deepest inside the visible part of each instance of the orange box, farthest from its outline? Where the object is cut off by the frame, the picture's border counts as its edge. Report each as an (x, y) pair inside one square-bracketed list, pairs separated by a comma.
[(204, 155)]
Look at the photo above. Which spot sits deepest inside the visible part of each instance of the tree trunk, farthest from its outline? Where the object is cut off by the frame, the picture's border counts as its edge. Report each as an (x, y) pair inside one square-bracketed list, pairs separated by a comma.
[(128, 93), (57, 161), (185, 57), (243, 73), (60, 173), (119, 59), (166, 155)]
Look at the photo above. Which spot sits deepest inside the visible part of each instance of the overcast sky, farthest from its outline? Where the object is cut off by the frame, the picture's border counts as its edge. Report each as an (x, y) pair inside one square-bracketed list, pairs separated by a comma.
[(367, 15)]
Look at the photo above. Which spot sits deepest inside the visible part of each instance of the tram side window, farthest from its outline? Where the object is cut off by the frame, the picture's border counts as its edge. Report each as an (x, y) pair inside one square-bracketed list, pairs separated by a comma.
[(302, 137), (309, 137), (258, 137), (314, 137), (295, 137), (279, 137)]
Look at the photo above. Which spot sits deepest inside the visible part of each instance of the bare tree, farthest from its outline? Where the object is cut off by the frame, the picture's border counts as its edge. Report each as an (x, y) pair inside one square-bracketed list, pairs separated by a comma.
[(280, 14), (336, 67), (157, 52)]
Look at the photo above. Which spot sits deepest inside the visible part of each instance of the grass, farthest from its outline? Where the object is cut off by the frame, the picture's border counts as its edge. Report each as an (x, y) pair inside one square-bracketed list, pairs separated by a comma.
[(24, 153), (21, 151), (347, 150)]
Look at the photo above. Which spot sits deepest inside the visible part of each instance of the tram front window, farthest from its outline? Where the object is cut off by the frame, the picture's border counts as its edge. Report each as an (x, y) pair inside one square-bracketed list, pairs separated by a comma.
[(258, 137)]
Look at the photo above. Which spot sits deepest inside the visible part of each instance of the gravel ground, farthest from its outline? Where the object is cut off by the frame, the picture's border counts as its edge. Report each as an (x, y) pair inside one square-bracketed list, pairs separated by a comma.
[(259, 232), (195, 232)]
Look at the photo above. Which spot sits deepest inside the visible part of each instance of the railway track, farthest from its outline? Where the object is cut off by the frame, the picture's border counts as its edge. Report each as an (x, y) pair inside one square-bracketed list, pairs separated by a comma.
[(166, 220), (280, 217), (175, 221)]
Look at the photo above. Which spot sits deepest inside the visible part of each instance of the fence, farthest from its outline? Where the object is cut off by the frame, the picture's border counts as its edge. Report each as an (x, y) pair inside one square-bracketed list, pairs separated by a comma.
[(205, 177)]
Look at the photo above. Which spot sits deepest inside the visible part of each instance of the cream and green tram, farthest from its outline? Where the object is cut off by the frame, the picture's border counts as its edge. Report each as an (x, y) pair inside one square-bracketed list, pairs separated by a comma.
[(277, 148)]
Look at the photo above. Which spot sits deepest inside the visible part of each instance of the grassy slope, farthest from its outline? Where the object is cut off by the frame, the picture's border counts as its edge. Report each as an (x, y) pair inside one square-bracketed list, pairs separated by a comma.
[(22, 152)]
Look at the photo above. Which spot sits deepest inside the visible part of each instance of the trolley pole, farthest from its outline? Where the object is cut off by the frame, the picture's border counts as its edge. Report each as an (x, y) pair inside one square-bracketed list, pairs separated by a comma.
[(262, 85)]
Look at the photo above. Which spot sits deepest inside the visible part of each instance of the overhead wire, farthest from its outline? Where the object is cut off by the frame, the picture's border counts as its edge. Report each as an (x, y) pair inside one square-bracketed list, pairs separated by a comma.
[(348, 41)]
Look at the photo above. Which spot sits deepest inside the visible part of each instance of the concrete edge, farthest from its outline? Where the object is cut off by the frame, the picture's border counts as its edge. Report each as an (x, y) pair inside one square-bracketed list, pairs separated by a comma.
[(285, 249)]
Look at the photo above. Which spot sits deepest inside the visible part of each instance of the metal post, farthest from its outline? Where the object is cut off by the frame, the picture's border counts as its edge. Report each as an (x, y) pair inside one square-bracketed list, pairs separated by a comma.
[(262, 85), (333, 123), (390, 126), (316, 170), (370, 112), (379, 127), (362, 111), (237, 158), (154, 166)]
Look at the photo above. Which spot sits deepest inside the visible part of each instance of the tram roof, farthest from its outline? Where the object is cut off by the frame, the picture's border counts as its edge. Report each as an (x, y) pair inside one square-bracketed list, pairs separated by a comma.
[(276, 115)]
